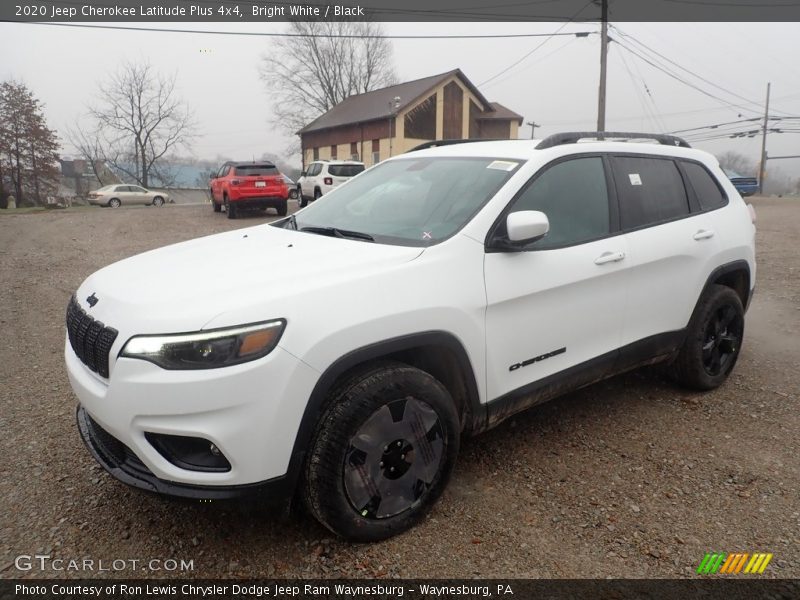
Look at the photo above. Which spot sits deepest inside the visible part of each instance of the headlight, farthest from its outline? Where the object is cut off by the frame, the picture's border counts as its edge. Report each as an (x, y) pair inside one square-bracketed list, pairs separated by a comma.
[(207, 349)]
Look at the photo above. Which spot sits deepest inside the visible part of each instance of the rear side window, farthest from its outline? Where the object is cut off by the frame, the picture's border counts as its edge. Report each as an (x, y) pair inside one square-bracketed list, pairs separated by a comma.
[(574, 196), (345, 170), (650, 190), (708, 192), (256, 170)]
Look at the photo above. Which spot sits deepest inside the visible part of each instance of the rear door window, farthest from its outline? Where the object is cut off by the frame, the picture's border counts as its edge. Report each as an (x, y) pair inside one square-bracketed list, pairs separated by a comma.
[(708, 192), (650, 190)]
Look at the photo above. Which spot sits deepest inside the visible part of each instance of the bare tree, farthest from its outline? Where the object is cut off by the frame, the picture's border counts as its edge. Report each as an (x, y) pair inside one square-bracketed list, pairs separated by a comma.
[(736, 162), (138, 121), (326, 62), (89, 147)]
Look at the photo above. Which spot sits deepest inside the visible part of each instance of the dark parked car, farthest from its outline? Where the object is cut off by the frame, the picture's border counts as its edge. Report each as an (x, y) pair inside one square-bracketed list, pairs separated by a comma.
[(746, 186)]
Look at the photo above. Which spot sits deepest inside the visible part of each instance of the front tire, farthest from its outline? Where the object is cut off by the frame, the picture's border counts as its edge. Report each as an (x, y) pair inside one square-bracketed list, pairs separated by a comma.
[(114, 203), (301, 198), (383, 452), (713, 341)]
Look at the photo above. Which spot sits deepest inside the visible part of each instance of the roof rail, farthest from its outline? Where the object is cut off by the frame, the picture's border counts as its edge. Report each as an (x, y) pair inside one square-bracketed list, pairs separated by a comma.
[(437, 143), (573, 137)]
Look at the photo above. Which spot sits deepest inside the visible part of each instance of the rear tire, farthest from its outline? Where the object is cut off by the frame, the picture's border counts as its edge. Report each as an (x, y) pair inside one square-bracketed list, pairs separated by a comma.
[(713, 340), (217, 207), (230, 209), (282, 209), (382, 453), (158, 201)]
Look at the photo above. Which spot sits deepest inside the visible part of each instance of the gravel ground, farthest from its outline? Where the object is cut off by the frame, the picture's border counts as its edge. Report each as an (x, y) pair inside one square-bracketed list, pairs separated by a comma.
[(632, 477)]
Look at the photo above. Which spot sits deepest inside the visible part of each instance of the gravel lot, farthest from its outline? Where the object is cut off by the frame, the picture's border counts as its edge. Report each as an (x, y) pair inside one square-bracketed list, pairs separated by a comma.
[(632, 477)]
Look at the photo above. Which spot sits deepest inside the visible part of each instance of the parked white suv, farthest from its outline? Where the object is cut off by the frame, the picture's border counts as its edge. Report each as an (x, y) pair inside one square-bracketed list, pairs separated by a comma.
[(461, 284), (322, 176)]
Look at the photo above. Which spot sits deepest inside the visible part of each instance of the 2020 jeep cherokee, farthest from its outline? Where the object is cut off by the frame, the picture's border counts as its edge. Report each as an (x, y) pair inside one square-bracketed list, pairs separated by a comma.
[(461, 284)]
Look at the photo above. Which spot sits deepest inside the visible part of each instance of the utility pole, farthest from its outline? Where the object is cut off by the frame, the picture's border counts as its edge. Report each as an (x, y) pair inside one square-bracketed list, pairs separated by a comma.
[(533, 126), (762, 169), (601, 97)]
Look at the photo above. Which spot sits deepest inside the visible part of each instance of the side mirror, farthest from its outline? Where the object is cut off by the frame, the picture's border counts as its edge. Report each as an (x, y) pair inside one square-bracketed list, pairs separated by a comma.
[(526, 226), (302, 173)]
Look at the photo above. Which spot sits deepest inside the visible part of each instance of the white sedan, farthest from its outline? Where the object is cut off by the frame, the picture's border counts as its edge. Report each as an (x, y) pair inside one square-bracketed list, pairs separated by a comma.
[(117, 195)]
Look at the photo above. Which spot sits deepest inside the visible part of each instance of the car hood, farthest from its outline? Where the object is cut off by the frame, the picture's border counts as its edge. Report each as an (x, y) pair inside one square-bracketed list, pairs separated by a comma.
[(185, 286)]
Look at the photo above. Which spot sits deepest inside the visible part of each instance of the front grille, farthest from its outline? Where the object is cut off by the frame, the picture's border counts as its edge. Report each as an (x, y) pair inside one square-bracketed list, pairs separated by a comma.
[(90, 339)]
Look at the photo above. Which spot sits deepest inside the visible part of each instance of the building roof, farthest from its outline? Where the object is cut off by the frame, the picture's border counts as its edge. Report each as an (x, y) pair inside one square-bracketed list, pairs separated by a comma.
[(500, 112), (379, 104)]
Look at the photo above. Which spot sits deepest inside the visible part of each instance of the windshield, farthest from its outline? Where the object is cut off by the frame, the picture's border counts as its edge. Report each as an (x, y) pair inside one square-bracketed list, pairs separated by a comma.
[(410, 202)]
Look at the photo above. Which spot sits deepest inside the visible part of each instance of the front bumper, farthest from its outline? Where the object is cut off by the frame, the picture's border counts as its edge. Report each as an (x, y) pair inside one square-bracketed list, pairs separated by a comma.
[(250, 412), (116, 458), (248, 202)]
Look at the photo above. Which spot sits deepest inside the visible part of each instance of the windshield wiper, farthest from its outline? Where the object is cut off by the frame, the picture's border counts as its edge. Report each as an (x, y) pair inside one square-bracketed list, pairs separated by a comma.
[(339, 233)]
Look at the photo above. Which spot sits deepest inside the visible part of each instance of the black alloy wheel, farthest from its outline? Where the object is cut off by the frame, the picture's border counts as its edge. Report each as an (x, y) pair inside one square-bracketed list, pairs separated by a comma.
[(713, 341), (382, 452)]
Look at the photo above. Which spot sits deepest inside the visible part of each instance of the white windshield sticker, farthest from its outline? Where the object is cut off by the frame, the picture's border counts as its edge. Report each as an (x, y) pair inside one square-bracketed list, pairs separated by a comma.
[(635, 179), (502, 165)]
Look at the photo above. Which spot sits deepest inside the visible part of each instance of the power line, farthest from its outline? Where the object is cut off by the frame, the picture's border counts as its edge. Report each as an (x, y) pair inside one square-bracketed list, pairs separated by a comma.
[(680, 79), (321, 35), (690, 72), (528, 66), (556, 33), (636, 89), (714, 126)]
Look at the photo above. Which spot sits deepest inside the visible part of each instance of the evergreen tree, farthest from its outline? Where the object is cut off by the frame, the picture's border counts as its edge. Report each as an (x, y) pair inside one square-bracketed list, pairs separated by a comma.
[(28, 147)]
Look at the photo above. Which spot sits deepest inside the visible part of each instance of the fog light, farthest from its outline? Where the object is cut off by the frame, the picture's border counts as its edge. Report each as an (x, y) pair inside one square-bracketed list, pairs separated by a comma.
[(190, 453)]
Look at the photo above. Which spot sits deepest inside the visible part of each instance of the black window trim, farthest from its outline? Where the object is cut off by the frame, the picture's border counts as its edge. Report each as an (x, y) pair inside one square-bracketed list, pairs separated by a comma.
[(694, 197), (614, 228), (675, 160)]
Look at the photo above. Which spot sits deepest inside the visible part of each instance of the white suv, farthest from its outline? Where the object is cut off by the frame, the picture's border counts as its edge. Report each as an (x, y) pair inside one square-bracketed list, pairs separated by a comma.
[(322, 176), (461, 284)]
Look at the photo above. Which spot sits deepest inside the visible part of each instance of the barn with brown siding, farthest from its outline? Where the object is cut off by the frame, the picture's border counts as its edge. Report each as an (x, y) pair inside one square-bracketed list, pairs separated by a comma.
[(382, 123)]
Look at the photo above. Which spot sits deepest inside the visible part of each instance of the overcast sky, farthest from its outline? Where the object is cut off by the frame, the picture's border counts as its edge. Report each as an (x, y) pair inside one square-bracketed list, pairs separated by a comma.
[(556, 85)]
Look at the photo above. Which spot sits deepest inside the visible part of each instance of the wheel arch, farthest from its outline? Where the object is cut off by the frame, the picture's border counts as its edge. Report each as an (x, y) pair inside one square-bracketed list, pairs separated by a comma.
[(438, 353), (735, 275)]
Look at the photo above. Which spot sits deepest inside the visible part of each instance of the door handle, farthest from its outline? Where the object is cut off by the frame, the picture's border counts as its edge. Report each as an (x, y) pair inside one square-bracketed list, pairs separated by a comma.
[(703, 234), (608, 257)]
